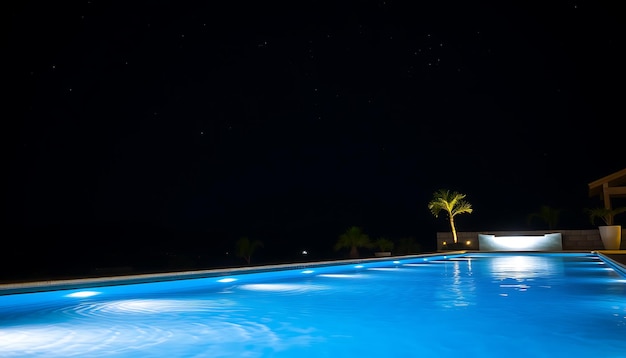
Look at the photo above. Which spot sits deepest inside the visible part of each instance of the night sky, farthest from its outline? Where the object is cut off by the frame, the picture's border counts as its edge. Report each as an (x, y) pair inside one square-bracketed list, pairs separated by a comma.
[(138, 130)]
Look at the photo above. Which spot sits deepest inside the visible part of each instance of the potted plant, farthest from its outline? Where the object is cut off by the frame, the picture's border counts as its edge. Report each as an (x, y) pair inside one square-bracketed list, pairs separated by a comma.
[(453, 204), (384, 246), (610, 234)]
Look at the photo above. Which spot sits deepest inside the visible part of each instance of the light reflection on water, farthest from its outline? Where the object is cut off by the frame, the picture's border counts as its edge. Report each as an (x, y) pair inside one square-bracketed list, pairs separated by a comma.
[(525, 267), (559, 305)]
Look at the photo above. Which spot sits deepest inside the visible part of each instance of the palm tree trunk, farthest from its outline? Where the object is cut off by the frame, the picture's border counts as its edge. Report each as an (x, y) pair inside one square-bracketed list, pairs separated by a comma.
[(354, 252), (453, 229)]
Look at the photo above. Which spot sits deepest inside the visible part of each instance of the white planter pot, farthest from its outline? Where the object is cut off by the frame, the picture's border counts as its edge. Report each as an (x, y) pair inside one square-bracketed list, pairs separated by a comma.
[(611, 236)]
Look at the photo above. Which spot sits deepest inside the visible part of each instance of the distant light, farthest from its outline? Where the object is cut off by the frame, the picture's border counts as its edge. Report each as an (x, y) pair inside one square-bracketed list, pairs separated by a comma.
[(468, 243), (228, 279), (83, 294), (445, 243), (304, 252)]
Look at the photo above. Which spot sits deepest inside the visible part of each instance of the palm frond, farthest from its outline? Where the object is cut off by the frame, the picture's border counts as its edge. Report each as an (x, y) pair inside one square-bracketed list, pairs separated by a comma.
[(451, 202), (461, 207)]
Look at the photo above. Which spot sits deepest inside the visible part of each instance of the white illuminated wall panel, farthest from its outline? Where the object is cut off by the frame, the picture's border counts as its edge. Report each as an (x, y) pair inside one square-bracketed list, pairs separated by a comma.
[(547, 242)]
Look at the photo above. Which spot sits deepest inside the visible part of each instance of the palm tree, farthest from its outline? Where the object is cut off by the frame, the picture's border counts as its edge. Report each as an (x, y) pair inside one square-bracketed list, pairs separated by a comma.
[(452, 203), (353, 238), (245, 248), (548, 215)]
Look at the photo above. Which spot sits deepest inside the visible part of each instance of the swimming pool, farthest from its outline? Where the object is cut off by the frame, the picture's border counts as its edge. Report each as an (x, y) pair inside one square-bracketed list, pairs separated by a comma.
[(471, 305)]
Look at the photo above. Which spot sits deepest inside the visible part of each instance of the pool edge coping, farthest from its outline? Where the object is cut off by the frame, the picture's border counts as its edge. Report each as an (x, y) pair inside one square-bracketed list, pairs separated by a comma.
[(77, 283), (616, 265), (80, 283)]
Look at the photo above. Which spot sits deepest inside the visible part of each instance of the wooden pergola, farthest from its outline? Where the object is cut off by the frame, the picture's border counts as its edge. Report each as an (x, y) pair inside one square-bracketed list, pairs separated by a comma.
[(608, 187)]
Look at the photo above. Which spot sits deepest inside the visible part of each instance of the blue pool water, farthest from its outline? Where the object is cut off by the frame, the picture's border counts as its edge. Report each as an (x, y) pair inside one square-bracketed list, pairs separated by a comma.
[(472, 305)]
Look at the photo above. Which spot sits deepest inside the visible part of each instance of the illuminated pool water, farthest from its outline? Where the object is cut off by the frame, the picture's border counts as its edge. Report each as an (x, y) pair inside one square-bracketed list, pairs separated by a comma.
[(472, 305)]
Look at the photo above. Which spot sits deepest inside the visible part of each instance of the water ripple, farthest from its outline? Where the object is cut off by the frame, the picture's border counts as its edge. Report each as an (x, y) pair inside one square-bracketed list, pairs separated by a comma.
[(124, 326)]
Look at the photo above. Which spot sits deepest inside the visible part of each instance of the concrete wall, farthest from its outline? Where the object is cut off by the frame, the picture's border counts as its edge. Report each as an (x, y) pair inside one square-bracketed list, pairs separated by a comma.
[(572, 239)]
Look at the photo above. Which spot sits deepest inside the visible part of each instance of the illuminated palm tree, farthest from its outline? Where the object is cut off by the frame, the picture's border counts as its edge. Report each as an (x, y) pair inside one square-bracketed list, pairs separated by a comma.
[(450, 202), (246, 247), (352, 239)]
